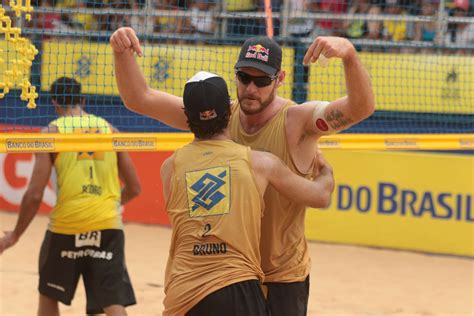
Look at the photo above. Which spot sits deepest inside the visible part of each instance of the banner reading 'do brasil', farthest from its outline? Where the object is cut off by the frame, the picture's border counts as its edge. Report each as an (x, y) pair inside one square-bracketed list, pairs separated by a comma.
[(415, 201)]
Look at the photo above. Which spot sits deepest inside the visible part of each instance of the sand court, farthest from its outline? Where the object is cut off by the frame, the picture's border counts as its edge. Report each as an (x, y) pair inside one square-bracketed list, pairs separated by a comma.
[(345, 280)]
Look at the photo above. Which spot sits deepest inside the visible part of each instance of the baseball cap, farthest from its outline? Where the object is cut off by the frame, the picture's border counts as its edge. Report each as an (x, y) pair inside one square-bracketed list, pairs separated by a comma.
[(206, 96), (262, 53)]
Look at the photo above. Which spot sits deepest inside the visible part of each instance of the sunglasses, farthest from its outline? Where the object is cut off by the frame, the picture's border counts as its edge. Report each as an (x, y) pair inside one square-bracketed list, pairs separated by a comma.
[(260, 82)]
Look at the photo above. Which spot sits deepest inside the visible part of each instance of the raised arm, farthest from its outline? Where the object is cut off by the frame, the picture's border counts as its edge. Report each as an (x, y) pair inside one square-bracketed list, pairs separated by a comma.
[(134, 90), (346, 111), (31, 200), (314, 193)]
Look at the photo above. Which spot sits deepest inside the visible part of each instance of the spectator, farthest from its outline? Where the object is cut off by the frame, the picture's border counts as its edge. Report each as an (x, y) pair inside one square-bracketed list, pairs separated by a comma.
[(242, 26), (114, 20), (87, 21), (48, 21), (426, 31), (332, 26), (394, 30), (168, 25), (363, 28), (460, 33), (140, 21), (202, 22)]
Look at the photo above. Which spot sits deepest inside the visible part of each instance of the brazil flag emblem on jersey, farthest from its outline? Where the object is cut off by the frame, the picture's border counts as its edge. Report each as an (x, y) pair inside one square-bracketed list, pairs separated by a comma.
[(208, 191)]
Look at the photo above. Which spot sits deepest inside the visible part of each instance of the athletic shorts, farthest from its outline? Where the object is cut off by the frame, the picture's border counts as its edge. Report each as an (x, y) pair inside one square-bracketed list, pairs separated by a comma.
[(285, 299), (242, 298), (98, 256)]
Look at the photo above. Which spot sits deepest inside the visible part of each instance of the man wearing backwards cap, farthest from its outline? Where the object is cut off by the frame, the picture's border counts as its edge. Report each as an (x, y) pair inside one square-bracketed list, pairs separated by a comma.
[(265, 121), (213, 189)]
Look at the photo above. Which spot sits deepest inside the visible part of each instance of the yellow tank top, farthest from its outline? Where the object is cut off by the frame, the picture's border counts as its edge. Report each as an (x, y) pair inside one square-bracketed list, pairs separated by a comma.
[(215, 209), (283, 247), (240, 5), (87, 183)]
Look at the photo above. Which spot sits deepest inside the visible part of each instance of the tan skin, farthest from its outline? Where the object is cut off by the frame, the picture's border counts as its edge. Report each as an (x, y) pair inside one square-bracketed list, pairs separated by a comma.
[(302, 133), (44, 163), (269, 169)]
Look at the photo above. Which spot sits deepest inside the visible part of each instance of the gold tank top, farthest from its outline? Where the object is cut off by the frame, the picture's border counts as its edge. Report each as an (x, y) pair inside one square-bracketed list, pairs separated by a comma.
[(215, 209), (283, 245), (88, 186)]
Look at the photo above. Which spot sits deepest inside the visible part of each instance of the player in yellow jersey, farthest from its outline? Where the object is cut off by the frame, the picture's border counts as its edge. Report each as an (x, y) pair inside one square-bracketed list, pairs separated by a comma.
[(214, 198), (85, 234), (265, 121)]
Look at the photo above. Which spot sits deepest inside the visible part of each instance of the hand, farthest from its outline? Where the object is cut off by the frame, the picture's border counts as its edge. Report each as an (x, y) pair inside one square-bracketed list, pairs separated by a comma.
[(329, 46), (320, 165), (125, 39), (7, 241)]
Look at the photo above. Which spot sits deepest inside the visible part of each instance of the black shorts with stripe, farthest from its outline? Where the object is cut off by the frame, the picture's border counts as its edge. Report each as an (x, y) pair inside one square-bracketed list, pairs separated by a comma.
[(98, 256)]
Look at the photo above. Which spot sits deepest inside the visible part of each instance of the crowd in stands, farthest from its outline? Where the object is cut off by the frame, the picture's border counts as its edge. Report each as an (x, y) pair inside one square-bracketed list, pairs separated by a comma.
[(202, 19)]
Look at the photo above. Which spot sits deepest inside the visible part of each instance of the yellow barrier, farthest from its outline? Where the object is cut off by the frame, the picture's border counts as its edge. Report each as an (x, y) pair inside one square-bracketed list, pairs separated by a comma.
[(171, 141), (166, 67), (403, 82), (414, 201)]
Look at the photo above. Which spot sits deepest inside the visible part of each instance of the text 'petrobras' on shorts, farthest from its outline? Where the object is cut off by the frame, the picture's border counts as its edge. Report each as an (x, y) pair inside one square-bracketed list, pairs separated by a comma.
[(91, 253), (29, 145), (129, 143)]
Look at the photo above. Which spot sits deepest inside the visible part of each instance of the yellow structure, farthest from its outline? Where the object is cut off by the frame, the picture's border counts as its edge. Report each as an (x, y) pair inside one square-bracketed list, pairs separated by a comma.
[(16, 71)]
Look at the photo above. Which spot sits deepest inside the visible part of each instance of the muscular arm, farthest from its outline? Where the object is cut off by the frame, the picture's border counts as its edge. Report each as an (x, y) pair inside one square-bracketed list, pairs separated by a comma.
[(134, 90), (128, 174), (351, 109), (315, 193), (31, 200), (166, 172)]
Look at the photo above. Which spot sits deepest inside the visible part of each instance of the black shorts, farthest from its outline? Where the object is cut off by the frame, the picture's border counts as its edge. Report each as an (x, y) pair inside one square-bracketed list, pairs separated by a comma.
[(242, 298), (98, 257), (285, 299)]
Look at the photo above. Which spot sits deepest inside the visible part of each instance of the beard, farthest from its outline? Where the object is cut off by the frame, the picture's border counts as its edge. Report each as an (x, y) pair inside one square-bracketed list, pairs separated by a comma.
[(253, 105)]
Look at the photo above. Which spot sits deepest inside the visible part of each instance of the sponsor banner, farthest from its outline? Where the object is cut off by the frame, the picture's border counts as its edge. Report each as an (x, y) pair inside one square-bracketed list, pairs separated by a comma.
[(329, 142), (404, 82), (29, 145), (166, 67), (467, 143), (129, 143), (414, 201), (401, 143)]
